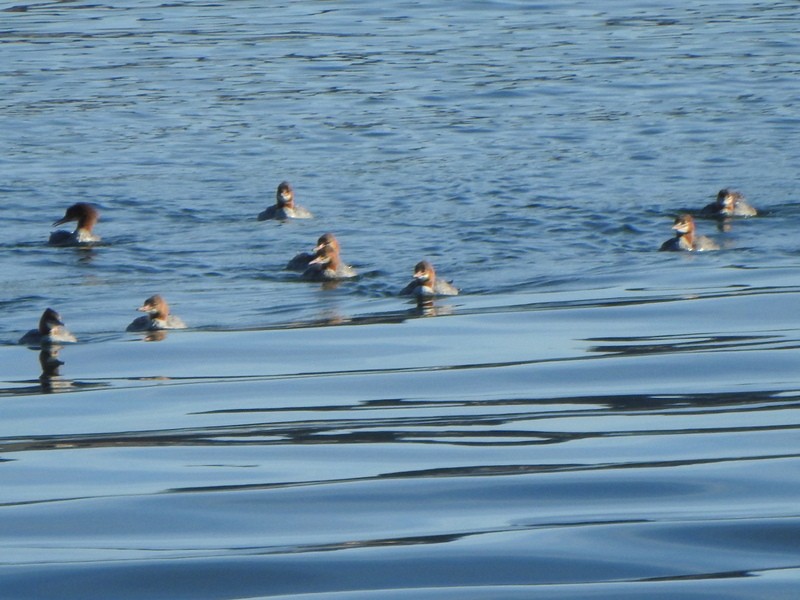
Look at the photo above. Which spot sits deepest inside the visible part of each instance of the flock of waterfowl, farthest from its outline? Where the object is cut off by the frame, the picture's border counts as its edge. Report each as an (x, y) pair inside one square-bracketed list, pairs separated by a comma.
[(729, 203), (324, 262), (51, 329)]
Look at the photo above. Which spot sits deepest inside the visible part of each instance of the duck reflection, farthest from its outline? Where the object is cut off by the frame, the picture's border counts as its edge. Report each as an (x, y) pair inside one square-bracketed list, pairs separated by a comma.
[(330, 284), (332, 317), (155, 336), (725, 224), (50, 379), (86, 255), (427, 307)]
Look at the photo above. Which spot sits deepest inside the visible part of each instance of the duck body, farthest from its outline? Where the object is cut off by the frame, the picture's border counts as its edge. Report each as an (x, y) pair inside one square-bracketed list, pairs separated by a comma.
[(425, 284), (148, 323), (157, 318), (51, 330), (685, 238), (676, 244), (342, 271), (284, 207), (281, 213), (87, 216), (729, 203), (300, 261)]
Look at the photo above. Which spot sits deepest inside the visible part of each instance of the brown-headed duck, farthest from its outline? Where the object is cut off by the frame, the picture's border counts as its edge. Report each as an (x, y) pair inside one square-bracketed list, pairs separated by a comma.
[(284, 207), (301, 261), (157, 317), (328, 266), (86, 215), (729, 203), (685, 238), (425, 284)]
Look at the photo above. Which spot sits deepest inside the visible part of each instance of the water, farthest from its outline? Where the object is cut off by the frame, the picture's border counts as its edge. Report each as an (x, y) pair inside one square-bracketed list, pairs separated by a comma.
[(589, 418)]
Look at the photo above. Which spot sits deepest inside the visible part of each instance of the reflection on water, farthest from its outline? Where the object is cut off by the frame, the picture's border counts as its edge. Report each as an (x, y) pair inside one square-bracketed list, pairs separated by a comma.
[(683, 343), (157, 335), (50, 378), (86, 254), (725, 225), (414, 473), (49, 361), (491, 422), (430, 307), (330, 285)]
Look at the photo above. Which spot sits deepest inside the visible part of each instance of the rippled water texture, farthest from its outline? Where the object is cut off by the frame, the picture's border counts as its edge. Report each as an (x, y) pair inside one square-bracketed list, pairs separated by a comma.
[(590, 418)]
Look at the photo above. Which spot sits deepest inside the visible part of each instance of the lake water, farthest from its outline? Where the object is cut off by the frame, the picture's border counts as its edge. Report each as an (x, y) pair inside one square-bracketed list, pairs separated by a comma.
[(590, 418)]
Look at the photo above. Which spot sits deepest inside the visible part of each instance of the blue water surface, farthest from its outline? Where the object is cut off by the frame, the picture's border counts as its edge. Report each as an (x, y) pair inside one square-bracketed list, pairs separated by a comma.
[(589, 418)]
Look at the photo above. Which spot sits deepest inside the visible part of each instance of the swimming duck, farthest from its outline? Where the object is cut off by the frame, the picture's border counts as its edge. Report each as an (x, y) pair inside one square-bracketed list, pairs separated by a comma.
[(157, 316), (729, 203), (425, 283), (685, 238), (302, 260), (51, 330), (284, 207), (86, 215), (328, 266)]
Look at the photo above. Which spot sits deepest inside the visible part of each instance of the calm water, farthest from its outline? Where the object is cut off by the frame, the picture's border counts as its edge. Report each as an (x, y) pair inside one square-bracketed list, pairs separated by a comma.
[(589, 419)]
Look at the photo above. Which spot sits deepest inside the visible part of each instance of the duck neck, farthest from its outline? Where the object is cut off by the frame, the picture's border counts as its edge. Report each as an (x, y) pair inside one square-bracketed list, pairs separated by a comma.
[(688, 238), (86, 223)]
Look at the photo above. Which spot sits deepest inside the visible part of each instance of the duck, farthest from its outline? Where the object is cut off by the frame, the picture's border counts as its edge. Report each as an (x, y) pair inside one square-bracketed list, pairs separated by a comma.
[(157, 317), (729, 203), (328, 266), (51, 330), (301, 261), (685, 238), (86, 215), (284, 207), (425, 284)]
